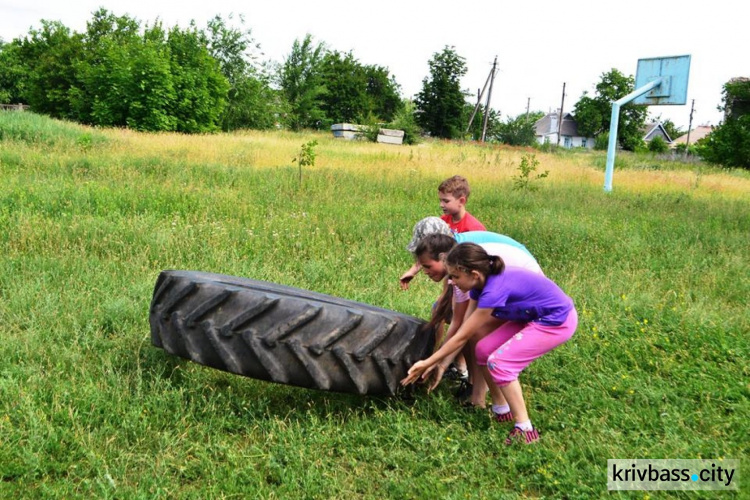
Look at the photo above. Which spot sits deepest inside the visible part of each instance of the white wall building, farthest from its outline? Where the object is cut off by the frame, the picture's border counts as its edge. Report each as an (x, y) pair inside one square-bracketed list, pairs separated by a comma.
[(547, 129)]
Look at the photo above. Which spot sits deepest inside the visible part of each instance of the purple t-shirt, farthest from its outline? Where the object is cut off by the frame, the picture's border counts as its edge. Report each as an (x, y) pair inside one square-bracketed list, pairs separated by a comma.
[(524, 296)]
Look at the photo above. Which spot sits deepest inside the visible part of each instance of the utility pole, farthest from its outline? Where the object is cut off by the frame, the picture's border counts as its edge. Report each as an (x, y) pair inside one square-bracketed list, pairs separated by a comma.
[(690, 127), (528, 104), (479, 103), (489, 96), (559, 122)]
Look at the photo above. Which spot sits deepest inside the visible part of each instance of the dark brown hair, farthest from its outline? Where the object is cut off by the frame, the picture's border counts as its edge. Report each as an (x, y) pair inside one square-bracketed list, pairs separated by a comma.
[(433, 245), (467, 257), (471, 257)]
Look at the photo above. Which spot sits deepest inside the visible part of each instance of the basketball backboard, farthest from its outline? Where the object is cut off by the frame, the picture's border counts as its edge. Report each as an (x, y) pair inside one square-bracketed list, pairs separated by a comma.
[(673, 90)]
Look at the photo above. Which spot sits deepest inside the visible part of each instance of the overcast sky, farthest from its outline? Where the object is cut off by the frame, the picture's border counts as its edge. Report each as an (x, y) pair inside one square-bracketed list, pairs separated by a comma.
[(540, 45)]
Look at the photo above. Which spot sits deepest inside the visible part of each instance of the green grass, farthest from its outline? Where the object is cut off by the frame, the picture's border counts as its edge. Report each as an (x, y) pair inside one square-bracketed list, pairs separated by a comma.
[(658, 268)]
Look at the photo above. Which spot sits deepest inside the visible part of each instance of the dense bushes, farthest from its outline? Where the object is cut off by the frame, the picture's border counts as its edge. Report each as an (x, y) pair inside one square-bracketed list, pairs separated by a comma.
[(120, 74), (729, 143)]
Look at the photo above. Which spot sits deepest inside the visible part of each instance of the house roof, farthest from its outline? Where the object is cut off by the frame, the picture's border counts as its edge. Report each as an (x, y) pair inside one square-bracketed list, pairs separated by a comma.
[(569, 126), (695, 134), (651, 130), (548, 125)]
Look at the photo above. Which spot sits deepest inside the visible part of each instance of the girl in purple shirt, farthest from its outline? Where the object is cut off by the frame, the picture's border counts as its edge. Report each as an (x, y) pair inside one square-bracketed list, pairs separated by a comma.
[(527, 313)]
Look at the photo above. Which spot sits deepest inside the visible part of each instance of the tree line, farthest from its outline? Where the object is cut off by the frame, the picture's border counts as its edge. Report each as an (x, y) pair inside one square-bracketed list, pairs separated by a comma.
[(119, 73), (193, 80)]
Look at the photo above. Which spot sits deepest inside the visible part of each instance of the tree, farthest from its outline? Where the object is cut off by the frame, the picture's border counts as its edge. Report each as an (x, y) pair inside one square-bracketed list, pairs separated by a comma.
[(252, 103), (356, 92), (440, 103), (150, 91), (519, 131), (736, 98), (593, 114), (200, 87), (345, 81), (493, 122), (12, 71), (384, 92), (729, 143), (154, 80), (49, 57), (301, 83), (115, 74), (124, 78), (103, 74)]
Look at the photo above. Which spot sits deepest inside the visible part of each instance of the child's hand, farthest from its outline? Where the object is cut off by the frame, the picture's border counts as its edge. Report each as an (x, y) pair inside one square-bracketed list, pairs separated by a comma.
[(406, 279), (415, 372), (435, 376), (419, 370)]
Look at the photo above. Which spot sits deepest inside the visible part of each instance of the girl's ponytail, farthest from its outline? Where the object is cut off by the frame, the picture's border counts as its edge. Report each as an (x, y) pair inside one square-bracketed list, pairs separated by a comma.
[(472, 257), (497, 264)]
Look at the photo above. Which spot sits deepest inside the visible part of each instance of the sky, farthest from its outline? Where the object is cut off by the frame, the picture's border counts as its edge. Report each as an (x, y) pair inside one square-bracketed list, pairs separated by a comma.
[(540, 46)]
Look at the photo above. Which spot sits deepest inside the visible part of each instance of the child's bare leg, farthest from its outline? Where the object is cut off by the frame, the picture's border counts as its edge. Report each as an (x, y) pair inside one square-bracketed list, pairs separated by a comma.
[(514, 395), (495, 392), (461, 363), (483, 383), (480, 376), (478, 388)]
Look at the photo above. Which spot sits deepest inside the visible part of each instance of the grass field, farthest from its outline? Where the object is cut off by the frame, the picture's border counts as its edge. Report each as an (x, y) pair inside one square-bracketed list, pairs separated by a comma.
[(659, 270)]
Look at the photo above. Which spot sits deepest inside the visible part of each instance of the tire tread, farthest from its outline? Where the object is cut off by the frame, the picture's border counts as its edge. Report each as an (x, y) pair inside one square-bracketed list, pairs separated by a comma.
[(283, 334)]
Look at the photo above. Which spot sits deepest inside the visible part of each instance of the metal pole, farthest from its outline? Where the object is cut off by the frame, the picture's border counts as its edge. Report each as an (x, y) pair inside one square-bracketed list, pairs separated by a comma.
[(528, 104), (690, 126), (612, 146), (559, 123), (489, 96), (479, 102), (614, 121)]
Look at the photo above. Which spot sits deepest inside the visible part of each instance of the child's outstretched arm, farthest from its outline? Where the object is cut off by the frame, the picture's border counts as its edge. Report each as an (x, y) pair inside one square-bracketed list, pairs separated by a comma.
[(460, 313), (409, 275), (422, 369)]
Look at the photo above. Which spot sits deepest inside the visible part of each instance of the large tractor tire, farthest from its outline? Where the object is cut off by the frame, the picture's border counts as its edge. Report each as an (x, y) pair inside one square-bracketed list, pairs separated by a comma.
[(283, 334)]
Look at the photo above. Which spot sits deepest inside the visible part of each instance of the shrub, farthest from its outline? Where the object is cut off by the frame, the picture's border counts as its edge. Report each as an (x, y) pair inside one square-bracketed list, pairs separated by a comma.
[(658, 145), (601, 142), (404, 120), (528, 166)]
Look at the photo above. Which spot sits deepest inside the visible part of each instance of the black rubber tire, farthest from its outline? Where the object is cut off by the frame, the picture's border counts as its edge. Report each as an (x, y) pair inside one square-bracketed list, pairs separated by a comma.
[(284, 334)]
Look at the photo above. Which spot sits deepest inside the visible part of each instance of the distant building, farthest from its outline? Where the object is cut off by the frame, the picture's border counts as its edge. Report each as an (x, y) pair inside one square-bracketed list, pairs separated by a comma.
[(546, 130), (695, 135), (655, 129)]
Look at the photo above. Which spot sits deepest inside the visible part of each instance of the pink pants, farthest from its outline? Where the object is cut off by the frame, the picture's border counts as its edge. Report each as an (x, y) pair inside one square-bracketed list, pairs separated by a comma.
[(513, 346)]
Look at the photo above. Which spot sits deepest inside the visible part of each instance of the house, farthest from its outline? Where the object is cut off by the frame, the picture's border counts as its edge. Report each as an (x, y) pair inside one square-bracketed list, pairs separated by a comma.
[(655, 129), (546, 130), (695, 135)]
